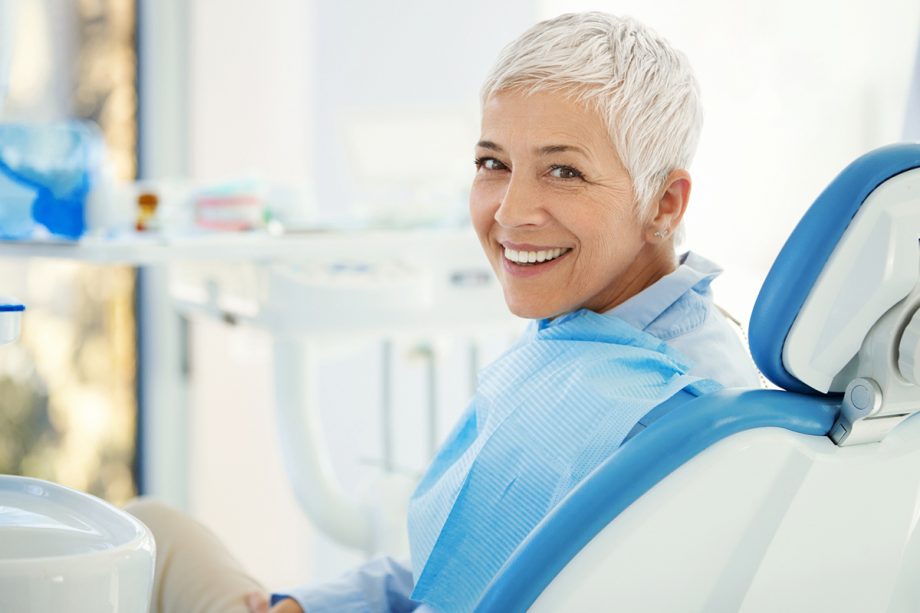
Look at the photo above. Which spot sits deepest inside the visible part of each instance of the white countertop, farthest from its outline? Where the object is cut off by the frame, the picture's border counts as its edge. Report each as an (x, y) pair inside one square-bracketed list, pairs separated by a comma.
[(144, 249)]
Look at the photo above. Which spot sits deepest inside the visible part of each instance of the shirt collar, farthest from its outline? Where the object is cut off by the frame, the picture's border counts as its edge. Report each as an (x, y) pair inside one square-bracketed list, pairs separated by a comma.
[(694, 272)]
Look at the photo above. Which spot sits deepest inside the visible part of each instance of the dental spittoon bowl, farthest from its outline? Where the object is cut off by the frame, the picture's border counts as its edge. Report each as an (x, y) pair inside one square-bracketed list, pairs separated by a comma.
[(63, 550)]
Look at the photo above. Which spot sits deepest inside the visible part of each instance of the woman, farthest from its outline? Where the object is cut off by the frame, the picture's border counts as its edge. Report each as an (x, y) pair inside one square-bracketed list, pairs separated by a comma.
[(589, 123)]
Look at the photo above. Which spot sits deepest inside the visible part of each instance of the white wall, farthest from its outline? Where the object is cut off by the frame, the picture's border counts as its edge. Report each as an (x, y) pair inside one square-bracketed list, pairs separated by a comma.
[(236, 480), (250, 84), (792, 92), (396, 95)]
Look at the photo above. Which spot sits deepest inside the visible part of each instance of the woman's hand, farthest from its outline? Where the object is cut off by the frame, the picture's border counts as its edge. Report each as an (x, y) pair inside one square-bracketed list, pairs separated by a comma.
[(258, 603)]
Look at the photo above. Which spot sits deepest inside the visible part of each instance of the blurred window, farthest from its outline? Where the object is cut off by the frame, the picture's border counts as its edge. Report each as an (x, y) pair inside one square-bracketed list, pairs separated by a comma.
[(67, 389)]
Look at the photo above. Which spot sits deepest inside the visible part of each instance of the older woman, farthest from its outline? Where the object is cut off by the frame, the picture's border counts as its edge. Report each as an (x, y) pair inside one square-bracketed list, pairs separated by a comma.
[(589, 123)]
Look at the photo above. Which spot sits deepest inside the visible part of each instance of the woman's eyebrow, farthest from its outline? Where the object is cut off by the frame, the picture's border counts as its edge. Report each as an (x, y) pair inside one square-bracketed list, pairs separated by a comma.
[(487, 144), (560, 149), (546, 150)]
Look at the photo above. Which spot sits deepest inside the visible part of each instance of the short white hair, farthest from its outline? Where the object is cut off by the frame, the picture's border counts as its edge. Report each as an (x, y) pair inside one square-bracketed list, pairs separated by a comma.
[(643, 88)]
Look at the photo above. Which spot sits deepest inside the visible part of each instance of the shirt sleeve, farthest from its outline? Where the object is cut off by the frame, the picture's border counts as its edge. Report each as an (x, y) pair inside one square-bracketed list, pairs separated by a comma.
[(382, 585)]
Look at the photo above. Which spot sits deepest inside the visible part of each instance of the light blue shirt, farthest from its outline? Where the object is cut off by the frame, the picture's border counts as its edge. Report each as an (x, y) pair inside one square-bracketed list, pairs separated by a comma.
[(677, 309)]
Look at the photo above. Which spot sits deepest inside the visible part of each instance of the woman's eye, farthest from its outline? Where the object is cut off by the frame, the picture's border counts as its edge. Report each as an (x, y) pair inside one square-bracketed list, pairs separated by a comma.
[(489, 164), (565, 172)]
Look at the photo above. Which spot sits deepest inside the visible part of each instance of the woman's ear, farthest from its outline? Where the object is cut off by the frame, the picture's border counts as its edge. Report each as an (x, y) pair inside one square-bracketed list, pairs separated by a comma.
[(669, 208)]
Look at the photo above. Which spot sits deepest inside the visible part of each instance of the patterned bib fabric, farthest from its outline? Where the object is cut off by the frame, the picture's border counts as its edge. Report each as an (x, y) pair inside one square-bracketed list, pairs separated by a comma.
[(545, 414)]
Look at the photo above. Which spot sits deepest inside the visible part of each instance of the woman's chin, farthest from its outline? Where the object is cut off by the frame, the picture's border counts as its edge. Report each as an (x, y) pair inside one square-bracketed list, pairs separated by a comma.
[(527, 309)]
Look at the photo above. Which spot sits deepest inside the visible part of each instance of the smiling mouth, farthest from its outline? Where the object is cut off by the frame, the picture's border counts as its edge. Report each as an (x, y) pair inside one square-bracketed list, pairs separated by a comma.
[(532, 258)]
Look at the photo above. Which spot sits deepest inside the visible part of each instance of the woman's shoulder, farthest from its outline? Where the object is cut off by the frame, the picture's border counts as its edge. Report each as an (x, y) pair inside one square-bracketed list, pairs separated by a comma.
[(698, 329), (714, 346)]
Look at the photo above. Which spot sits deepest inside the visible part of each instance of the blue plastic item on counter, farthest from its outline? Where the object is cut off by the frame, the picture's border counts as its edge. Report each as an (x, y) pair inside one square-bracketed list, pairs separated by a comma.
[(46, 174)]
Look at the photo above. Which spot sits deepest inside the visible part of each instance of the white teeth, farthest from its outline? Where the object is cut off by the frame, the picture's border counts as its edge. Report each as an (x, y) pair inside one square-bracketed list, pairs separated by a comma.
[(532, 257)]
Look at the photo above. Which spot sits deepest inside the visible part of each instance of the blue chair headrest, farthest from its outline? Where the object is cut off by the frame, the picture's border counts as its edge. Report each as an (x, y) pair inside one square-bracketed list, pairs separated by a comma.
[(806, 252)]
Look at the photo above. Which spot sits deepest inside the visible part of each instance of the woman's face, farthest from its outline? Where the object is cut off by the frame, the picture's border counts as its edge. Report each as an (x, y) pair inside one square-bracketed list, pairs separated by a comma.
[(550, 191)]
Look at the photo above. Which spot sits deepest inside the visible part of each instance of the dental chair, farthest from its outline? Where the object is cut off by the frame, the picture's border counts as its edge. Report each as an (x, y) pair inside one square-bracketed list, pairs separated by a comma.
[(803, 500), (63, 550)]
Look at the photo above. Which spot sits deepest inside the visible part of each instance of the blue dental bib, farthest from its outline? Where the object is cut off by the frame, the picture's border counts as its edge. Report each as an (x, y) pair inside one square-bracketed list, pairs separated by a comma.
[(545, 414)]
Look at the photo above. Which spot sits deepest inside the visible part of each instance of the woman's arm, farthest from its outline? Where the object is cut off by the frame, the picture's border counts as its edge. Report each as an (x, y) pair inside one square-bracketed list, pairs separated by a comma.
[(382, 585), (258, 603)]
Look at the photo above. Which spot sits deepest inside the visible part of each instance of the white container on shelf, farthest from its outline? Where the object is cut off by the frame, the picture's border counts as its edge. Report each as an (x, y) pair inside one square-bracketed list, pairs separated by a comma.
[(10, 316)]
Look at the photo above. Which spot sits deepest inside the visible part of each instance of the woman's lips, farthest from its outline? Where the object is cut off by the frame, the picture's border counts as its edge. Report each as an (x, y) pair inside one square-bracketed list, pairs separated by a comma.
[(533, 256), (512, 259)]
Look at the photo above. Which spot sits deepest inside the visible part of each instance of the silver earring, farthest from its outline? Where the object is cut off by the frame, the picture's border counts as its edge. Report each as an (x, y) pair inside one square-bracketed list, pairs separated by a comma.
[(661, 233)]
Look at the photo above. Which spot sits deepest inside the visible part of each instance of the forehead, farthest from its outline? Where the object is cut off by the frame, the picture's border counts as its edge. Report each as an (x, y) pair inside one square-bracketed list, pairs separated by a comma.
[(510, 118)]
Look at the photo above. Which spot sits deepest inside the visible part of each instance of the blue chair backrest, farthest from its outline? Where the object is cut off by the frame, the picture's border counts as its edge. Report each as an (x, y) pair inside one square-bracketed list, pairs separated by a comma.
[(807, 251)]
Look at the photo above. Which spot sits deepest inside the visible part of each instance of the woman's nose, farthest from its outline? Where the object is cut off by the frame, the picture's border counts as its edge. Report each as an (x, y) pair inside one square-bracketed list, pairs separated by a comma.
[(520, 206)]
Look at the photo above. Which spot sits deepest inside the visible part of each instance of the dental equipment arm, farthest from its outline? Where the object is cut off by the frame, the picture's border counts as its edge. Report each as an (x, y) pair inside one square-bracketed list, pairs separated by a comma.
[(305, 456)]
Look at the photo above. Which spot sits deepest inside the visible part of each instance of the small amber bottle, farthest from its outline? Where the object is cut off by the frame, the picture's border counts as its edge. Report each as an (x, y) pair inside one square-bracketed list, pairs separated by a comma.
[(146, 212)]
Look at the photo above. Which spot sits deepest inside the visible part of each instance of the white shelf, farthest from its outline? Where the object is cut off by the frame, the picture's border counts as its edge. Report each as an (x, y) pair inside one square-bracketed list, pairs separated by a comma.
[(308, 283), (145, 249)]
